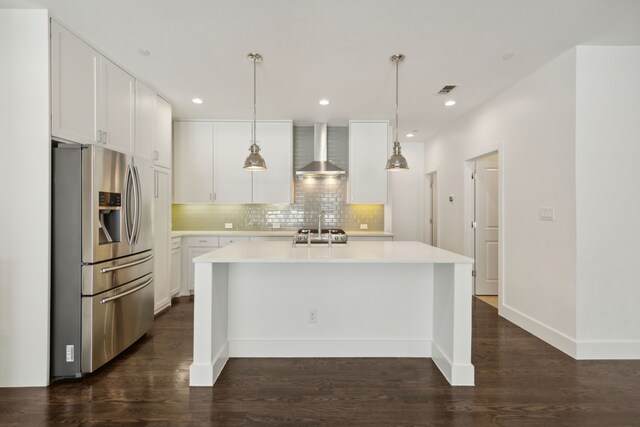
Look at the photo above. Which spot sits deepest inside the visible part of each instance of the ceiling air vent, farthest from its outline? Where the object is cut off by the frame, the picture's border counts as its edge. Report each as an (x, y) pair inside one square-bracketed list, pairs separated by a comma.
[(447, 89)]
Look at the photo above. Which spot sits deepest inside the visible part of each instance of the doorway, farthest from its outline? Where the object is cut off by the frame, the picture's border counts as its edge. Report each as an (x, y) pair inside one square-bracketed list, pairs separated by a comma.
[(430, 209), (485, 224)]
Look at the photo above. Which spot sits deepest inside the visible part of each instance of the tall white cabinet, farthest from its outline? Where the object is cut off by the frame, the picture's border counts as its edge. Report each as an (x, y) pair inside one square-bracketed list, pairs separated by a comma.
[(368, 154), (162, 238)]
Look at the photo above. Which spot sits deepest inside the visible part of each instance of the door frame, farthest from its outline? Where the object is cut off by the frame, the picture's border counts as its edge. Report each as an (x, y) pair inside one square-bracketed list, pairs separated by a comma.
[(469, 215), (430, 187)]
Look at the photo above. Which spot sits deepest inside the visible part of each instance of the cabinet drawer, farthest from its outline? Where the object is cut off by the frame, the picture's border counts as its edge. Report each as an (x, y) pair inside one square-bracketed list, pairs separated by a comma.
[(224, 241), (176, 243), (210, 241)]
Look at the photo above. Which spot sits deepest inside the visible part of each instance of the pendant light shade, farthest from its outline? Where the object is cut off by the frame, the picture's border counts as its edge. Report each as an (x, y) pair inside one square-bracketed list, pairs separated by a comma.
[(397, 162), (254, 162)]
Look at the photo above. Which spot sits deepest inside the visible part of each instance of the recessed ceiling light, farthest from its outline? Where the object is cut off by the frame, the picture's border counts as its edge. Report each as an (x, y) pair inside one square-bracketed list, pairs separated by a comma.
[(507, 56), (324, 102), (410, 135), (197, 101), (144, 52), (450, 103)]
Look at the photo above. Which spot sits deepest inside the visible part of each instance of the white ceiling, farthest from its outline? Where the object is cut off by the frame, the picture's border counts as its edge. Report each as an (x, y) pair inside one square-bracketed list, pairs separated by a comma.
[(339, 49)]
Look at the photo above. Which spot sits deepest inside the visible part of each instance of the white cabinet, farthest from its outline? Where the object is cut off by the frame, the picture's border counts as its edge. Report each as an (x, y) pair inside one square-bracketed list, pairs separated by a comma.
[(91, 98), (231, 183), (275, 185), (176, 266), (162, 239), (368, 153), (145, 121), (162, 134), (193, 162)]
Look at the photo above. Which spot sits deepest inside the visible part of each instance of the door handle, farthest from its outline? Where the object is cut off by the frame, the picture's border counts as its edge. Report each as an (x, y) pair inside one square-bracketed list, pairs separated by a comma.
[(127, 192), (138, 196), (127, 265), (129, 292)]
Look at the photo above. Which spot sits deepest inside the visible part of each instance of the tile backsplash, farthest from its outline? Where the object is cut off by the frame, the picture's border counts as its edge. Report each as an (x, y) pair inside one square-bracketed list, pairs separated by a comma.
[(312, 195)]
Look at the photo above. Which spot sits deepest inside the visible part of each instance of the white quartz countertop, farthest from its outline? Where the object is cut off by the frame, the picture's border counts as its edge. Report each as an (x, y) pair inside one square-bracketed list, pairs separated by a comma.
[(353, 252), (283, 233)]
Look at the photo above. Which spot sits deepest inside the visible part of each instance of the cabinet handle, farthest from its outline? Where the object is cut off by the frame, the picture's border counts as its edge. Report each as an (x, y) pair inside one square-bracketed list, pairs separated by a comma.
[(202, 241), (104, 137), (155, 183), (99, 136), (156, 154), (211, 196)]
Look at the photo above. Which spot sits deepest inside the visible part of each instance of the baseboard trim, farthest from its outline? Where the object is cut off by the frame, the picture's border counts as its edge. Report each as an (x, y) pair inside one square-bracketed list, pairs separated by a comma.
[(330, 348), (206, 374), (540, 330), (608, 350), (459, 375)]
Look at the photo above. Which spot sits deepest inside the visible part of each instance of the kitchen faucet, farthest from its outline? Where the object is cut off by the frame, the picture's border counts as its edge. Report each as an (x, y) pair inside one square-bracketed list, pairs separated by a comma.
[(320, 222)]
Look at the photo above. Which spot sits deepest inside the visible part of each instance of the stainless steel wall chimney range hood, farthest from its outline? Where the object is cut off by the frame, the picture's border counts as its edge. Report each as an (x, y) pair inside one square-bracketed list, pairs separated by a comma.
[(320, 164)]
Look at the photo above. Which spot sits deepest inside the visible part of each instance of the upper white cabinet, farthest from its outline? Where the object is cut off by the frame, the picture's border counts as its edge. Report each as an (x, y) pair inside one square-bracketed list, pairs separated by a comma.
[(231, 183), (193, 162), (368, 153), (91, 98), (145, 121), (275, 185), (162, 135)]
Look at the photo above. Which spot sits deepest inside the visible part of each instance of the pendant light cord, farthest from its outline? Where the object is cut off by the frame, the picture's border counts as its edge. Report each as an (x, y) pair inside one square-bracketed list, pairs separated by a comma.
[(253, 128), (397, 63)]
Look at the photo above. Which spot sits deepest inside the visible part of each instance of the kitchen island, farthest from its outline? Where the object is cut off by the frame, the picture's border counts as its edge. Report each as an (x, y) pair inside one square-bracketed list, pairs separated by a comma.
[(362, 299)]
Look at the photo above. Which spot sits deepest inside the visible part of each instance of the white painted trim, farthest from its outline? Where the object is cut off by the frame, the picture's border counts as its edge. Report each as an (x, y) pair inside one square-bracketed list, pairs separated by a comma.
[(608, 350), (206, 374), (455, 374), (330, 348), (546, 333), (501, 224)]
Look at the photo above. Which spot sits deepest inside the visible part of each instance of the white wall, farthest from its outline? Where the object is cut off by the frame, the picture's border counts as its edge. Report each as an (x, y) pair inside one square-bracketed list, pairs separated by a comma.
[(25, 195), (608, 201), (533, 125), (407, 195)]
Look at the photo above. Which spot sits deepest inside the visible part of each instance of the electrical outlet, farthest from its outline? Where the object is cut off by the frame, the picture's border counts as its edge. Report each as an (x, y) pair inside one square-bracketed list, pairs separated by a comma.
[(228, 225), (275, 226), (70, 353), (547, 214), (313, 315), (364, 226)]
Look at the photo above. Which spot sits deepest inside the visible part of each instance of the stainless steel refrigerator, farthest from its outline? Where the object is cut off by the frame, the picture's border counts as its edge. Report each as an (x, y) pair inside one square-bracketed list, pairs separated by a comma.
[(102, 258)]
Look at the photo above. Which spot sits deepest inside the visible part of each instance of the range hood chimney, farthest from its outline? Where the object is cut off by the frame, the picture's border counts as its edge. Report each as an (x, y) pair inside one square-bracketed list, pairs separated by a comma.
[(320, 164)]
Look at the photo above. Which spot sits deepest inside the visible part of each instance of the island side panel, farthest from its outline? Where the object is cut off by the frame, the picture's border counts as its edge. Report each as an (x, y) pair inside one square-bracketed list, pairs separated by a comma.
[(363, 309), (210, 323), (451, 347)]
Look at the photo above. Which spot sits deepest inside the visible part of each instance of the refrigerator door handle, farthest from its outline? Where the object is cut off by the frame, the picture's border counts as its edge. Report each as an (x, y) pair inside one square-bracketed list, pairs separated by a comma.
[(124, 294), (127, 192), (137, 199), (130, 264)]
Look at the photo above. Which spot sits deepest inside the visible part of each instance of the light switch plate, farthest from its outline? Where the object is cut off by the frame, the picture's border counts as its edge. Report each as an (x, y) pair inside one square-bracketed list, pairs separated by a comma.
[(228, 225), (547, 214), (275, 226), (364, 226)]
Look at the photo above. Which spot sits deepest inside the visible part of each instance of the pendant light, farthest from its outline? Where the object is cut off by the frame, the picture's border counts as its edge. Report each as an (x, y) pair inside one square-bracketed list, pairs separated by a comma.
[(397, 162), (254, 161)]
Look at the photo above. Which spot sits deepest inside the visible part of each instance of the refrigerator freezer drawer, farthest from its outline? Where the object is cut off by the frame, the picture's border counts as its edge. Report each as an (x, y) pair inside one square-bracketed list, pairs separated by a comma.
[(113, 320), (108, 275)]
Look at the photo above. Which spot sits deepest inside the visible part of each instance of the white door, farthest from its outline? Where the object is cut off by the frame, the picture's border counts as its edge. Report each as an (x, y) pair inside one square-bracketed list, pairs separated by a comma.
[(118, 104), (231, 183), (176, 271), (486, 230), (145, 124), (162, 246), (275, 184), (193, 162), (75, 69)]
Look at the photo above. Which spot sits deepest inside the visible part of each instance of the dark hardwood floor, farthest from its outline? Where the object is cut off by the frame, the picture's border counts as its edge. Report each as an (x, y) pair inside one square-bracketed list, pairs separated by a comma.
[(520, 380)]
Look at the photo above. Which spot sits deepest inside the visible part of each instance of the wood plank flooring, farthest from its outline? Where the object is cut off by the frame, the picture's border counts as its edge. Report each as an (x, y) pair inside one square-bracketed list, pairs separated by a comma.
[(521, 381)]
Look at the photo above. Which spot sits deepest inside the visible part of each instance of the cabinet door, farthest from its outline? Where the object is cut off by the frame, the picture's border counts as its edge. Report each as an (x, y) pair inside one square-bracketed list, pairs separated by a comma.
[(231, 183), (117, 111), (191, 254), (368, 149), (193, 159), (275, 184), (75, 69), (145, 121), (176, 271), (162, 245), (162, 135)]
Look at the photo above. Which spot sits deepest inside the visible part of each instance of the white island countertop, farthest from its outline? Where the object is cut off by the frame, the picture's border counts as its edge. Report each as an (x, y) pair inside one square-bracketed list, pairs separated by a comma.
[(273, 233), (353, 252)]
